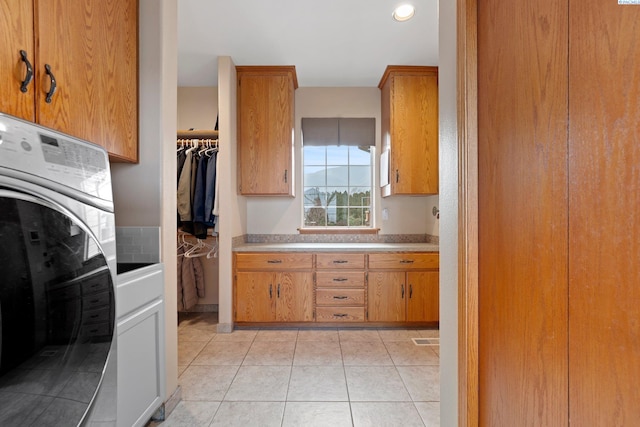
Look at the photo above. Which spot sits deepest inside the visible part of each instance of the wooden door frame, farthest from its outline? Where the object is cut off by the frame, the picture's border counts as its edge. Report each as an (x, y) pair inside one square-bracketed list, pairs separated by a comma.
[(467, 111)]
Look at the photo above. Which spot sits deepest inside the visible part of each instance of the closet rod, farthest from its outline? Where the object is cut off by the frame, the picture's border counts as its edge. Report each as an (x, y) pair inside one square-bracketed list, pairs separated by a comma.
[(197, 134)]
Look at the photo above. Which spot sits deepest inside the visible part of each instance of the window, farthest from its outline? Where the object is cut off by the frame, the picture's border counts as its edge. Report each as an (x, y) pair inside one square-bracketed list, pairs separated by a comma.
[(338, 172)]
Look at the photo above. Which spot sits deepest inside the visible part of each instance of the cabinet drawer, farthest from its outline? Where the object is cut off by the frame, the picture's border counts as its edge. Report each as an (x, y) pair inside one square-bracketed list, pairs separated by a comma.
[(340, 314), (334, 297), (274, 261), (341, 279), (341, 260), (404, 261)]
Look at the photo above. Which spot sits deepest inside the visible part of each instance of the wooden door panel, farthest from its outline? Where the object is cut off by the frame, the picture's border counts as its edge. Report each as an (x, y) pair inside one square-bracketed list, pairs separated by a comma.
[(96, 71), (255, 297), (604, 230), (16, 33), (424, 296), (522, 224), (294, 297), (386, 296), (415, 130)]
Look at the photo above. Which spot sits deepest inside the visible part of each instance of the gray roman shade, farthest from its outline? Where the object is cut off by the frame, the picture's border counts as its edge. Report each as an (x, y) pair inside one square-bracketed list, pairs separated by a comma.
[(339, 131)]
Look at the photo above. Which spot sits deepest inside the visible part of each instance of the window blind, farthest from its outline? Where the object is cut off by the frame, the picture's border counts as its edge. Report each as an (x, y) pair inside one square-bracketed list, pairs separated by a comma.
[(339, 131)]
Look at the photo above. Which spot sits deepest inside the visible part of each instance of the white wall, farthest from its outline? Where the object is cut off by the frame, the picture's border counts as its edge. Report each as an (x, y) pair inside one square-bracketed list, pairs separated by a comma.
[(275, 215), (197, 107), (449, 224), (154, 177), (233, 209)]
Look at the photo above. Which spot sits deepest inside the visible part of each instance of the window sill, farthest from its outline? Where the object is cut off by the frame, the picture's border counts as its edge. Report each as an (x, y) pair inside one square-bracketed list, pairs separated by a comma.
[(338, 230)]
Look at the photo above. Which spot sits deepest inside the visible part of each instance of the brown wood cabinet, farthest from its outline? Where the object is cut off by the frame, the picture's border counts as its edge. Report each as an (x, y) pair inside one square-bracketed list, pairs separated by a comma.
[(93, 58), (558, 195), (273, 287), (334, 287), (410, 129), (266, 130), (403, 287), (340, 287)]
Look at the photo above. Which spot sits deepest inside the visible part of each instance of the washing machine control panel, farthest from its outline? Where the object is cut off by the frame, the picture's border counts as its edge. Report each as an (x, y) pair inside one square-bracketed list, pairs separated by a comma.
[(54, 156)]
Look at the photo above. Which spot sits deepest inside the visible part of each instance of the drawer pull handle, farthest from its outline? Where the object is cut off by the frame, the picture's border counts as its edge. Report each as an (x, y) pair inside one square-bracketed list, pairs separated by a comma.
[(340, 261), (340, 279), (340, 297), (406, 261), (340, 315), (29, 75), (274, 261), (54, 85)]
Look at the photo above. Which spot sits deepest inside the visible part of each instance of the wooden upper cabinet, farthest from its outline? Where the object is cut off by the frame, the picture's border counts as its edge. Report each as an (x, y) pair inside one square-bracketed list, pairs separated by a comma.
[(410, 129), (16, 32), (91, 50), (265, 130)]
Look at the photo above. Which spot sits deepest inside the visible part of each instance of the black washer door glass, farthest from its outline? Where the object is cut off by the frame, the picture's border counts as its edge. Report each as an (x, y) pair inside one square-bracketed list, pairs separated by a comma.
[(57, 315)]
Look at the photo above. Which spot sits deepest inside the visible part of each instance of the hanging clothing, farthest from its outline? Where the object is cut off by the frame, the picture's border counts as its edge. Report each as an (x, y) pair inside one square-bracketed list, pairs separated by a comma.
[(197, 190), (190, 284)]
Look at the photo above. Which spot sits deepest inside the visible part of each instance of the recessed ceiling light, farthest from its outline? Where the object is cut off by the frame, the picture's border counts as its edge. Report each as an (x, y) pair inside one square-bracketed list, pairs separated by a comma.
[(403, 12)]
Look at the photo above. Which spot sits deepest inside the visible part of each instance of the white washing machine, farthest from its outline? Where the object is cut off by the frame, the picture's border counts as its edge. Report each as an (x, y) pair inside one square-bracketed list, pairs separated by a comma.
[(57, 279)]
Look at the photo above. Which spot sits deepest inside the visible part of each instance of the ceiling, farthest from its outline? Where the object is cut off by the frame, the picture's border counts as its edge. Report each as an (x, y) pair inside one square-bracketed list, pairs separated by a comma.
[(332, 43)]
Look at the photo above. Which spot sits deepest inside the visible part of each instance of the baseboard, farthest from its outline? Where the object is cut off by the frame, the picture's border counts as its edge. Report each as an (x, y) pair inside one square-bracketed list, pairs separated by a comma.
[(168, 406), (225, 328)]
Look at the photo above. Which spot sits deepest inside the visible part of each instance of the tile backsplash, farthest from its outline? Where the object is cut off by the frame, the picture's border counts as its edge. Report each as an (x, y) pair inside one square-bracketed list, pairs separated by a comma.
[(138, 244), (337, 238)]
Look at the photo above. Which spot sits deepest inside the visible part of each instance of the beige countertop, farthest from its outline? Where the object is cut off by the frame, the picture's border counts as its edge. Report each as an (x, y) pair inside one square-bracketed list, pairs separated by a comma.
[(337, 247)]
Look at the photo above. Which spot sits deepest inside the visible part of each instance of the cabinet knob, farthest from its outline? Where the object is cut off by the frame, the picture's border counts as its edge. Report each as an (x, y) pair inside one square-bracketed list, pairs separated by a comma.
[(54, 85), (29, 75)]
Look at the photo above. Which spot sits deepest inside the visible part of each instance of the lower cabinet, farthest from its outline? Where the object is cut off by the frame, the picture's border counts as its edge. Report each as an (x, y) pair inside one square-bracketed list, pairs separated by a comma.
[(403, 296), (389, 287), (285, 296), (140, 345), (406, 289)]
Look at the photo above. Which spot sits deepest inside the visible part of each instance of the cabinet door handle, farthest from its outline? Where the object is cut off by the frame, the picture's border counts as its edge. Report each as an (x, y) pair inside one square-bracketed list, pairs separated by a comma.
[(270, 291), (402, 290), (340, 261), (54, 85), (29, 76), (410, 290), (340, 297), (340, 279), (285, 176), (278, 290), (274, 261), (397, 176), (406, 261)]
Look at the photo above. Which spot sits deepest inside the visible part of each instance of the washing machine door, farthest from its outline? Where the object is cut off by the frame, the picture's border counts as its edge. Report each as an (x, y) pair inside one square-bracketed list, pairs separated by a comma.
[(57, 313)]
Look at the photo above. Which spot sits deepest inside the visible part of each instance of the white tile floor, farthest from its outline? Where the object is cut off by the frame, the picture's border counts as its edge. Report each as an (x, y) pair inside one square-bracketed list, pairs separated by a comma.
[(329, 377)]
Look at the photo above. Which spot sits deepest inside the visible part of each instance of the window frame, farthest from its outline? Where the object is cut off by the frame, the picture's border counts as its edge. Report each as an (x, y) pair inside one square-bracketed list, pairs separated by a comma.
[(339, 229)]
